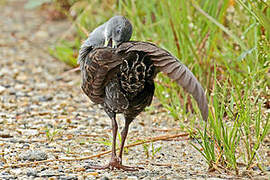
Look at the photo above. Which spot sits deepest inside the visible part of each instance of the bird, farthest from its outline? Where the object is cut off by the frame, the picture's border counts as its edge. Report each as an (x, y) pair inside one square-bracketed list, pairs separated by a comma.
[(121, 79)]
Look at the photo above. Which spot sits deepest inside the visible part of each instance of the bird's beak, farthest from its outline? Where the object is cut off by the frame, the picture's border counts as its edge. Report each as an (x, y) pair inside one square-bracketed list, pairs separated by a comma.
[(114, 44), (108, 42)]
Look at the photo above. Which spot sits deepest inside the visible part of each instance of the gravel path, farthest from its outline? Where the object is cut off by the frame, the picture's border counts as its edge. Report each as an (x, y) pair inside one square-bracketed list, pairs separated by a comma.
[(44, 114)]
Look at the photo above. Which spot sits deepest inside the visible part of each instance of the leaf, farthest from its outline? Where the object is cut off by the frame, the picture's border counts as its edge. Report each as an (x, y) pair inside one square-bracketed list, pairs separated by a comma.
[(257, 13), (245, 53)]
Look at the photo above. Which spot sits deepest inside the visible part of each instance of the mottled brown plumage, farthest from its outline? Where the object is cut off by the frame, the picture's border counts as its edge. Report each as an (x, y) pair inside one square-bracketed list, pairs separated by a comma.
[(105, 64), (122, 81)]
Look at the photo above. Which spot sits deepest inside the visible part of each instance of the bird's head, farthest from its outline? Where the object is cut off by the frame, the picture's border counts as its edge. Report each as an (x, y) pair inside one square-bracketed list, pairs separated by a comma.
[(112, 33), (117, 30)]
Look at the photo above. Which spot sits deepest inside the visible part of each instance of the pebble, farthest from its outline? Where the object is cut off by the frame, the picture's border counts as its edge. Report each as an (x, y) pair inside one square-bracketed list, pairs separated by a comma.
[(31, 172), (29, 132), (104, 178), (16, 171), (45, 98), (33, 155), (48, 173), (7, 177), (132, 178), (2, 89), (41, 35), (68, 178)]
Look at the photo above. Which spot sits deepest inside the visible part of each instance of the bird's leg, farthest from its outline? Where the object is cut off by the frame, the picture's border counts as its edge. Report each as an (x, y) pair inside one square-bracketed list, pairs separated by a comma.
[(114, 131), (114, 160), (123, 138)]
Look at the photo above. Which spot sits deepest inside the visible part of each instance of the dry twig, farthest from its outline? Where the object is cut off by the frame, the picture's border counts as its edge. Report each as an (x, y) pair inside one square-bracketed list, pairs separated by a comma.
[(159, 164), (158, 138)]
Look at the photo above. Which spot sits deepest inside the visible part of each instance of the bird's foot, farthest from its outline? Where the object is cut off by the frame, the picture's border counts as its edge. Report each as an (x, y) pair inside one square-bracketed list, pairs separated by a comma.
[(115, 163)]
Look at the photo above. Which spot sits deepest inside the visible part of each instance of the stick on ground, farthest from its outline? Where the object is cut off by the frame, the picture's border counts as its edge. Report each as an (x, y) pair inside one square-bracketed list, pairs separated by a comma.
[(158, 138)]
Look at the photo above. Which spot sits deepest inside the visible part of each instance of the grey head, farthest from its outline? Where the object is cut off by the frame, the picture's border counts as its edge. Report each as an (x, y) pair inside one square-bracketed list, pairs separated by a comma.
[(112, 33), (118, 29)]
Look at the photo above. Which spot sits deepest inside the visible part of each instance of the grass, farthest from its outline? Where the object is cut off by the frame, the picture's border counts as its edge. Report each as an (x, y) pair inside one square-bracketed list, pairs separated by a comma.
[(150, 150), (226, 44), (51, 134)]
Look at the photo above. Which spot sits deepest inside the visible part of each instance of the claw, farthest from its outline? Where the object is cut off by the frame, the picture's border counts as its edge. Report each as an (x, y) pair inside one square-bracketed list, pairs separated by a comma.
[(115, 164)]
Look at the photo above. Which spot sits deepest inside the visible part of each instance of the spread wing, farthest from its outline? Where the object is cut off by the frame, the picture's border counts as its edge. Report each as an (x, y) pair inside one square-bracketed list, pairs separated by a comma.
[(99, 68), (171, 66)]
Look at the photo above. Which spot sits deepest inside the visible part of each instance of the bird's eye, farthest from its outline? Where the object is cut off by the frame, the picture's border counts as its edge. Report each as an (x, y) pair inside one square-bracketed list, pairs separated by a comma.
[(118, 31)]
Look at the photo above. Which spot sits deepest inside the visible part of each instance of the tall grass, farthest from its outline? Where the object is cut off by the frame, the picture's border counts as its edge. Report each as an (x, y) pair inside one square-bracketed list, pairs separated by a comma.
[(226, 44)]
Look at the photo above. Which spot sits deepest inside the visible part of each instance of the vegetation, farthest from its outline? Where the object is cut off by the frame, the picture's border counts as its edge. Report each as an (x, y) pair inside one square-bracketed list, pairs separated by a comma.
[(226, 44)]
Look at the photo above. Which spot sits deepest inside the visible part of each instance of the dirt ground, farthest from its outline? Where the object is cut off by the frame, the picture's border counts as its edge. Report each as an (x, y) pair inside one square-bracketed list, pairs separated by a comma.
[(45, 116)]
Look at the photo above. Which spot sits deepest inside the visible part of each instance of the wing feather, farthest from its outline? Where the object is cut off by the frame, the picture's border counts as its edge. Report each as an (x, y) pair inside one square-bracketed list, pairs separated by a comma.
[(172, 67), (101, 67), (98, 64)]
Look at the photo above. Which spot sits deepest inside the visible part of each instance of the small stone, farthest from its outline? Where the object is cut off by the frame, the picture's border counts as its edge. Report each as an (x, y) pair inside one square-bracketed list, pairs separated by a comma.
[(33, 155), (41, 35), (68, 178), (48, 174), (31, 172), (29, 132), (45, 98), (4, 71), (255, 168), (16, 171), (132, 178), (21, 94), (5, 135), (7, 177), (2, 89), (22, 77), (104, 178), (41, 85)]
